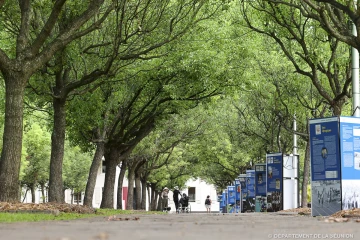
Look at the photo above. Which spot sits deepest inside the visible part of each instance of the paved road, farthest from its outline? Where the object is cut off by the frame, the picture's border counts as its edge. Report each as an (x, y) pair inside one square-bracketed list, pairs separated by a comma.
[(257, 226)]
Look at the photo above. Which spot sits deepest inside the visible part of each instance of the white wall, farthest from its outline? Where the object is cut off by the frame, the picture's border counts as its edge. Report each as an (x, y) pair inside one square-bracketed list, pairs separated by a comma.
[(202, 189), (100, 181), (38, 196)]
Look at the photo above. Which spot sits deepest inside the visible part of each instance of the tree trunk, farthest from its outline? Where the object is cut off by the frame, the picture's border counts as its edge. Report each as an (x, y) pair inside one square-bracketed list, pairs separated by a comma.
[(20, 190), (120, 184), (57, 152), (306, 175), (153, 197), (149, 196), (111, 159), (160, 202), (12, 137), (156, 200), (64, 191), (33, 193), (26, 191), (43, 193), (337, 107), (143, 194), (93, 173), (72, 196), (138, 192), (130, 197)]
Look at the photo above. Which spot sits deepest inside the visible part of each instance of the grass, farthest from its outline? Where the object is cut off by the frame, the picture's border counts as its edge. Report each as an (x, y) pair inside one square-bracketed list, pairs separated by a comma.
[(36, 217)]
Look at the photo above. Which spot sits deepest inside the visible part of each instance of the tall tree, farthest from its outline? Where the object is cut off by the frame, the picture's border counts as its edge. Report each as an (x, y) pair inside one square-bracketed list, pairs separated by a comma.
[(157, 151), (141, 28), (333, 16), (33, 42), (37, 148), (314, 53), (76, 169)]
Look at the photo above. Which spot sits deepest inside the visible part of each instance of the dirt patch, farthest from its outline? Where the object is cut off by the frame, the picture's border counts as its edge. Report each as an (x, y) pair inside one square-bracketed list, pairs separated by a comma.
[(350, 213), (45, 207), (300, 211)]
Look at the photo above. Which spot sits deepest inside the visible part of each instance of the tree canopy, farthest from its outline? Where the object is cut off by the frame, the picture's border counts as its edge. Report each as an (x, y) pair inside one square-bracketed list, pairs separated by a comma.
[(171, 90)]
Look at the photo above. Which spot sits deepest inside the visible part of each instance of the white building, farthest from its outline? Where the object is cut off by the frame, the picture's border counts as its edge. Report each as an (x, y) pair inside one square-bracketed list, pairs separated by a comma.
[(197, 190)]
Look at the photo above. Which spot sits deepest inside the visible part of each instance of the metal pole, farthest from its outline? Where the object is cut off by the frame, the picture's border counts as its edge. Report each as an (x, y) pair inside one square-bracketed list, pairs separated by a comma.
[(296, 158), (295, 137), (355, 74)]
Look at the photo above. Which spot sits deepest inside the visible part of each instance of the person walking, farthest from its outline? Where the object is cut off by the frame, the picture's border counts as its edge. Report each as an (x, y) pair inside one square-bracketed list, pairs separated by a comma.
[(208, 204), (165, 198), (176, 198)]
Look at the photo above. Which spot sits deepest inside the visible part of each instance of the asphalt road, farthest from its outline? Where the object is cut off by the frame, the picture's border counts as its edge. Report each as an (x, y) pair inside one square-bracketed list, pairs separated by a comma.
[(195, 226)]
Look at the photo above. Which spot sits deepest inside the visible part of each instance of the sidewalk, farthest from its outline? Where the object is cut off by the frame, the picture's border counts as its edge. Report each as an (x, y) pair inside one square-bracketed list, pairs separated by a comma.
[(193, 226)]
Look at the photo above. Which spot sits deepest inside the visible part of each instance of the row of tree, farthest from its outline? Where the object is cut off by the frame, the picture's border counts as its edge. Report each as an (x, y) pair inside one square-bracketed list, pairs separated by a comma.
[(168, 89)]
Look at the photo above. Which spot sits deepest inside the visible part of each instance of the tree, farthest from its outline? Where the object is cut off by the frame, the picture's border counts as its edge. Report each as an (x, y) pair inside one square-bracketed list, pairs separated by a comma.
[(76, 169), (140, 30), (333, 16), (312, 51), (138, 117), (162, 86), (32, 44), (159, 150), (163, 21), (36, 160)]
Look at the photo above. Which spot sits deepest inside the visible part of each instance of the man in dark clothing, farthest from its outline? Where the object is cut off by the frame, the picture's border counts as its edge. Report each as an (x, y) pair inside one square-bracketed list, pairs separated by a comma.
[(176, 198)]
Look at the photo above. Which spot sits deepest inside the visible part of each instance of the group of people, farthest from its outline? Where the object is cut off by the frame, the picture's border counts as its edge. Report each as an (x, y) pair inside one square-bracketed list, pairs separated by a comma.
[(183, 201), (331, 194)]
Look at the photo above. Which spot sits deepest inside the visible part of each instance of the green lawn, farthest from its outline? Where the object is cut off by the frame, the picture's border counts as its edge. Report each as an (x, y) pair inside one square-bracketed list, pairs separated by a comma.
[(35, 217)]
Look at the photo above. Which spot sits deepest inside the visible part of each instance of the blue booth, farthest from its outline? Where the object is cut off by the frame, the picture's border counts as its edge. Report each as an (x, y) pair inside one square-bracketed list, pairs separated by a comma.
[(231, 199), (260, 187), (250, 187), (335, 164), (274, 182)]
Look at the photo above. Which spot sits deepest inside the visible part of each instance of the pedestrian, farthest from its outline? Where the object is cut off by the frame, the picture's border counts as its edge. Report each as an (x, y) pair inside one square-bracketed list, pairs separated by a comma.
[(184, 203), (176, 198), (165, 197), (208, 204)]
